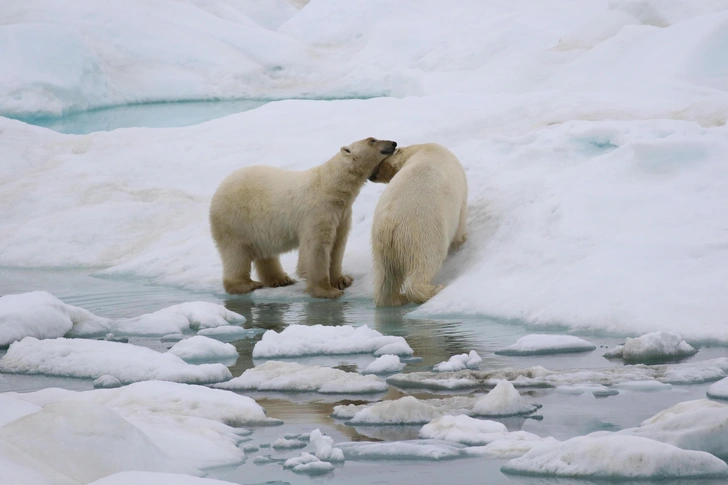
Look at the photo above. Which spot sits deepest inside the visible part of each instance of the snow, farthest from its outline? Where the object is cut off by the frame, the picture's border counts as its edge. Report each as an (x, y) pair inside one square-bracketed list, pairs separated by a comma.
[(541, 344), (196, 424), (653, 347), (303, 340), (616, 457), (691, 425), (459, 362), (308, 464), (107, 382), (92, 359), (386, 364), (203, 348), (495, 438), (503, 400), (406, 410), (324, 445), (719, 390), (41, 315), (155, 478), (593, 137), (293, 377), (81, 442), (286, 444), (676, 374), (15, 408)]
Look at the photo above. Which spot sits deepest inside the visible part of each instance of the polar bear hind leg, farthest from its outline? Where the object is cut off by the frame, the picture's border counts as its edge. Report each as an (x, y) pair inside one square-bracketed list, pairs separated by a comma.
[(236, 261), (387, 287)]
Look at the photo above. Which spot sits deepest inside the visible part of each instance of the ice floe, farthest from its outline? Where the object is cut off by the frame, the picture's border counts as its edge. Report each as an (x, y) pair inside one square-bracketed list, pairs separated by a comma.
[(719, 390), (324, 446), (683, 373), (200, 348), (653, 347), (459, 362), (303, 340), (155, 478), (92, 359), (386, 364), (616, 457), (288, 444), (503, 400), (308, 464), (293, 377), (228, 333), (542, 344), (423, 449), (406, 410)]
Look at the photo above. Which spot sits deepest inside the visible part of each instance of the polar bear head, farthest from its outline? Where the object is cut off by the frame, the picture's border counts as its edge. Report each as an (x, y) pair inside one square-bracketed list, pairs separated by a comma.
[(366, 155), (389, 167)]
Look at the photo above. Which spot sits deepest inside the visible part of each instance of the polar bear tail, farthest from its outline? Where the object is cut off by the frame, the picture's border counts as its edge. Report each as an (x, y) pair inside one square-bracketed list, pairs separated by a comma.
[(419, 291)]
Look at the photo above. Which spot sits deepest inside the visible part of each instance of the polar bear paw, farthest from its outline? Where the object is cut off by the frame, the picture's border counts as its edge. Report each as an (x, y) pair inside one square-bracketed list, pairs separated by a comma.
[(330, 292), (278, 281), (342, 282), (241, 288)]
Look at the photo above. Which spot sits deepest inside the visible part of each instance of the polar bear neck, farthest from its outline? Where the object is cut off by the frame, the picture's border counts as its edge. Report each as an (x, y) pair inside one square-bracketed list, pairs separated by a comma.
[(341, 180)]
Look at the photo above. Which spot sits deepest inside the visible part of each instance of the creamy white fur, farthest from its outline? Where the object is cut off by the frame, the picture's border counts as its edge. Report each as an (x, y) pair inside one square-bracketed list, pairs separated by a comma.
[(259, 212), (419, 217)]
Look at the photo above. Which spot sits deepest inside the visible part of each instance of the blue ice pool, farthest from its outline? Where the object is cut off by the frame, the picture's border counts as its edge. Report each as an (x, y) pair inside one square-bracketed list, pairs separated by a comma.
[(149, 115)]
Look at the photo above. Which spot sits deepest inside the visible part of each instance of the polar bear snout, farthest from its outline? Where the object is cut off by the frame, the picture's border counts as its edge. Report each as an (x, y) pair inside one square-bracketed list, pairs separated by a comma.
[(389, 148)]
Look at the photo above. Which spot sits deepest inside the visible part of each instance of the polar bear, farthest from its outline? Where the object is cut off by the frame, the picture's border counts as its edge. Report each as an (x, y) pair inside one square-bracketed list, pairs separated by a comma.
[(420, 216), (259, 212)]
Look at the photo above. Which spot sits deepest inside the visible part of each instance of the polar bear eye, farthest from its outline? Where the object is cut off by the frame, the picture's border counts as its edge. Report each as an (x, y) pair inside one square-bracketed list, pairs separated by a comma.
[(345, 150), (371, 140)]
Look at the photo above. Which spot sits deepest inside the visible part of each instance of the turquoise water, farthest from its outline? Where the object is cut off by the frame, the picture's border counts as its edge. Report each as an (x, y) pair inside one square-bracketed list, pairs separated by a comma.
[(563, 416), (149, 115)]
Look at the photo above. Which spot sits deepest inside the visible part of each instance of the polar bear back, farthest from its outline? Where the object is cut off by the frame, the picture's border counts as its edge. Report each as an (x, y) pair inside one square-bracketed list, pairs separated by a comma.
[(428, 191)]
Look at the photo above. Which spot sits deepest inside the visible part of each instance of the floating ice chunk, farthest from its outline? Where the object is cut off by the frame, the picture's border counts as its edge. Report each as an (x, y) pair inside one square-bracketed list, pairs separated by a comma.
[(477, 432), (541, 344), (195, 423), (298, 436), (250, 448), (308, 464), (459, 362), (503, 400), (15, 408), (402, 450), (692, 425), (301, 340), (683, 373), (228, 333), (85, 441), (185, 317), (324, 445), (386, 364), (719, 390), (155, 478), (173, 337), (616, 457), (94, 358), (293, 377), (596, 389), (643, 386), (38, 314), (406, 410), (199, 348), (107, 382), (653, 347), (286, 444)]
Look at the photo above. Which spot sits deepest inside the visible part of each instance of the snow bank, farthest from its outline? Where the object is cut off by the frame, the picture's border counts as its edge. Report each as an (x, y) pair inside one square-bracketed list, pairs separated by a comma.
[(616, 457), (155, 478), (503, 400), (301, 340), (459, 362), (492, 436), (386, 364), (41, 315), (197, 424), (203, 348), (653, 347), (84, 441), (293, 377), (685, 373), (538, 344), (92, 359), (719, 390), (691, 425)]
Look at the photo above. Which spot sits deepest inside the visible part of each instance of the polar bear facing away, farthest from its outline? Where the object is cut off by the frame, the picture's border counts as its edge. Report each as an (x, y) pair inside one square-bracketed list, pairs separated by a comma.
[(419, 217), (259, 212)]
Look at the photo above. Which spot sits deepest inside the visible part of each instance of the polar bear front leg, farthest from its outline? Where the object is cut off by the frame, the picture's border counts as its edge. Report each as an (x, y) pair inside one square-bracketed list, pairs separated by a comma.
[(337, 279), (315, 251)]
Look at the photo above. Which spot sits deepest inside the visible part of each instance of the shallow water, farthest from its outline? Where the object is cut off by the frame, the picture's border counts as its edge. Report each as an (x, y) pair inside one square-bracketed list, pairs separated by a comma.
[(562, 416), (148, 115)]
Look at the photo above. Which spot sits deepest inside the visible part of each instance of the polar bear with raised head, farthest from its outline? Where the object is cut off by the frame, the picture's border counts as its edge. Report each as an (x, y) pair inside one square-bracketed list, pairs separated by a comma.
[(420, 216), (259, 212)]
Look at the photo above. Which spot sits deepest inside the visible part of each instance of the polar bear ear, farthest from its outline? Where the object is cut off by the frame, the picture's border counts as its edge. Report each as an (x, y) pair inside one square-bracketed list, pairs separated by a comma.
[(346, 151)]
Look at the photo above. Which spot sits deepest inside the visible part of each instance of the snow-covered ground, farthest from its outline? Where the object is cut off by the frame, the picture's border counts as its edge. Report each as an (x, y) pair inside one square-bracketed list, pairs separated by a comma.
[(593, 138)]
